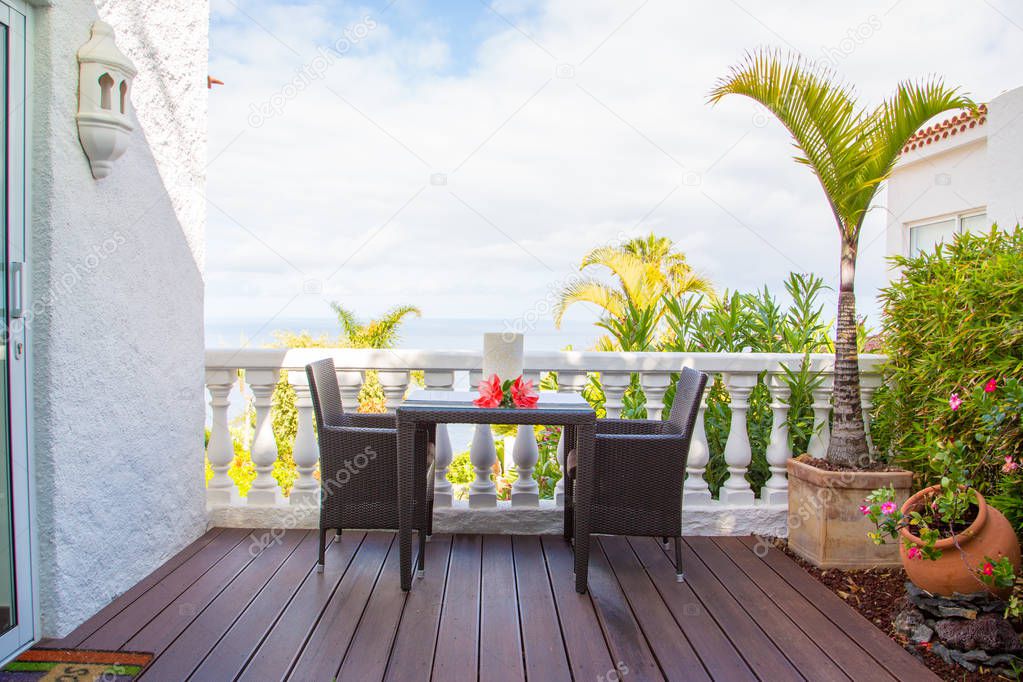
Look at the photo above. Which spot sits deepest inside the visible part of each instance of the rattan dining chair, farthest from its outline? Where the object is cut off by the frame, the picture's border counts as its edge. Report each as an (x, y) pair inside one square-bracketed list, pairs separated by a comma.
[(637, 472), (359, 465)]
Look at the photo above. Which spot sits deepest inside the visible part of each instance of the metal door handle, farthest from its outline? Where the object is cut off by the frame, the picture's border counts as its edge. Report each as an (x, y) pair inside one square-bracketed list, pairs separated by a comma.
[(17, 305)]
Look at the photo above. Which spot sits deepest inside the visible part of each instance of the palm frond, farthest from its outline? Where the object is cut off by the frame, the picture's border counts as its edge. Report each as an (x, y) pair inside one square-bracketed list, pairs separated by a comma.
[(589, 291)]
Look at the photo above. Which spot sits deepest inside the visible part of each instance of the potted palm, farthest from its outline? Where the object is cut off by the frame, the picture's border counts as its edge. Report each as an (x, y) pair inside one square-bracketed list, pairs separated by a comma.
[(851, 150)]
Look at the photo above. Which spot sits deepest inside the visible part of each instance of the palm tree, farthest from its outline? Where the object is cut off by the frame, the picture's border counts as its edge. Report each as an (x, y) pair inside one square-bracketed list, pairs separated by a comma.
[(851, 150), (646, 269), (379, 333)]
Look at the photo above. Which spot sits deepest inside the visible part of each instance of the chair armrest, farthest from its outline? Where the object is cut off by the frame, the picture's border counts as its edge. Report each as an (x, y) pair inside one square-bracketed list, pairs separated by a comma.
[(377, 421), (347, 441), (661, 452), (632, 427)]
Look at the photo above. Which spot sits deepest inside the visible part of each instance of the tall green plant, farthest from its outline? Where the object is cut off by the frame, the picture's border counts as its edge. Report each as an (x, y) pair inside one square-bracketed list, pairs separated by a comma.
[(851, 151)]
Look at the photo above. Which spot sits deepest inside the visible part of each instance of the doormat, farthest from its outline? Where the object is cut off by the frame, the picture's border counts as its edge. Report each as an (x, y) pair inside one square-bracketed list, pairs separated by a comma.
[(75, 665)]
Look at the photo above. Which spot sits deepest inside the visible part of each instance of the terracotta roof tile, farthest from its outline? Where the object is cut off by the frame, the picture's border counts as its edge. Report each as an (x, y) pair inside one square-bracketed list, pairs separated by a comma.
[(959, 123)]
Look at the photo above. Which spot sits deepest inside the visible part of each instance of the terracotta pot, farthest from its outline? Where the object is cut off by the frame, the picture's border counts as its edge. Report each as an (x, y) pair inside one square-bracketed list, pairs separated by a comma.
[(825, 525), (990, 535)]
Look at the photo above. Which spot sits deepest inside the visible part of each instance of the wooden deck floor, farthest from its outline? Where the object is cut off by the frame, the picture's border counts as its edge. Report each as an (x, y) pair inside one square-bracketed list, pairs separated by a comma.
[(495, 607)]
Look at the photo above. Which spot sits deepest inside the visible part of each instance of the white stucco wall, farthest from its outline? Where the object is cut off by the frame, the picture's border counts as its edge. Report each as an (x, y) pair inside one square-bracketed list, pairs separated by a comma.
[(117, 309), (1005, 158)]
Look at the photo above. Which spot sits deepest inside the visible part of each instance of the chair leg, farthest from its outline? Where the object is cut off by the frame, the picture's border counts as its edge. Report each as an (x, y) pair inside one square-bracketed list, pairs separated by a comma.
[(421, 563), (429, 519), (664, 541), (323, 548), (680, 575), (569, 511), (337, 535)]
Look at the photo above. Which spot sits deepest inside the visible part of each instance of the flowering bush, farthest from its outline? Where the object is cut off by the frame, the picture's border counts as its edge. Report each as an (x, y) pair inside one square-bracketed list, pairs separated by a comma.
[(516, 392)]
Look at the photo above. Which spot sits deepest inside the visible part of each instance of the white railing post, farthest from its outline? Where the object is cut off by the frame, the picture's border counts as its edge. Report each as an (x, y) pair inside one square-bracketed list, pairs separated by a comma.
[(525, 492), (394, 383), (220, 450), (818, 447), (350, 383), (264, 491), (483, 455), (305, 452), (776, 489), (614, 384), (442, 495), (736, 489), (655, 385), (869, 383), (695, 490), (569, 381)]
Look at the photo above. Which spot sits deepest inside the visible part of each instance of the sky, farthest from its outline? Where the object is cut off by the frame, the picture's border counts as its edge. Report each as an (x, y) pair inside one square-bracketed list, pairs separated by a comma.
[(463, 156)]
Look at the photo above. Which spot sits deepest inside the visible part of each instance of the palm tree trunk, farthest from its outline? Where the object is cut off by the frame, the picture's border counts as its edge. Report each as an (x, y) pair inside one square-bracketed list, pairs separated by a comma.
[(848, 445)]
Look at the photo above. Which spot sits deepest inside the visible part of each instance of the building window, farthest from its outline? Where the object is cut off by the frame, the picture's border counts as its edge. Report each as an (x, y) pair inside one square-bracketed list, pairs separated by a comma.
[(926, 236)]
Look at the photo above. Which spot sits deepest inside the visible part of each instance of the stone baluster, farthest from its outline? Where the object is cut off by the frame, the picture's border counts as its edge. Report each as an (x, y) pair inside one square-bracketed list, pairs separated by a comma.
[(569, 381), (394, 384), (441, 380), (776, 489), (736, 489), (350, 383), (695, 490), (264, 491), (525, 491), (614, 385), (869, 383), (220, 450), (306, 490), (655, 385), (475, 377), (818, 447), (483, 456)]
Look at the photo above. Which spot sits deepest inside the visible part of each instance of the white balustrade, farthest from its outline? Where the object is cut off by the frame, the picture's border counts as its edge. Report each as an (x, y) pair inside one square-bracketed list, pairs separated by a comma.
[(821, 419), (444, 370), (776, 488), (736, 489), (220, 450), (264, 491), (305, 453), (695, 490)]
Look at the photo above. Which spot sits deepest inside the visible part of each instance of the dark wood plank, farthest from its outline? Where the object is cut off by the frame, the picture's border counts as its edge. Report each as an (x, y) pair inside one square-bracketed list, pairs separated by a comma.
[(629, 649), (160, 632), (277, 652), (414, 645), (117, 631), (500, 632), (588, 654), (757, 649), (227, 659), (830, 638), (456, 656), (371, 646), (719, 656), (325, 649), (543, 647), (811, 662), (82, 632), (185, 653), (881, 648), (677, 659)]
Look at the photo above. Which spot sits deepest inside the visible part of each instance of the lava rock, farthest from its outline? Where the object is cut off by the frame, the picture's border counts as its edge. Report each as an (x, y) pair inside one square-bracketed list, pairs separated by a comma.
[(989, 632)]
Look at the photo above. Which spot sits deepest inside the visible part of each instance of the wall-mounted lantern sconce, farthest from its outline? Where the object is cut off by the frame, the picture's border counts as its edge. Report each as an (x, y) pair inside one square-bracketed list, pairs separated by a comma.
[(104, 105)]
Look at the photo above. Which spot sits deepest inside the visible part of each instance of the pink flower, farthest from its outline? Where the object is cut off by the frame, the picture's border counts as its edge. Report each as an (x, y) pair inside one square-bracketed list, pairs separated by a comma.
[(490, 392), (914, 553), (523, 393), (888, 508), (864, 509), (1010, 465), (955, 402), (991, 385), (987, 568)]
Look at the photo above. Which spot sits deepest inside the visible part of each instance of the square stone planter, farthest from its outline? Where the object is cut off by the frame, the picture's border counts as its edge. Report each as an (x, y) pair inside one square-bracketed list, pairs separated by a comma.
[(825, 524)]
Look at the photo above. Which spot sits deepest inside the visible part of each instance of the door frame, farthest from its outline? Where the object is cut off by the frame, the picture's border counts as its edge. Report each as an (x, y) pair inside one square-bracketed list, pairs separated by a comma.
[(17, 17)]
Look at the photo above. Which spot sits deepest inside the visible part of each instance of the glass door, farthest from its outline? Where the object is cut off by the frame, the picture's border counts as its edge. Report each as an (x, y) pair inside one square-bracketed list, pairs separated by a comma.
[(17, 586)]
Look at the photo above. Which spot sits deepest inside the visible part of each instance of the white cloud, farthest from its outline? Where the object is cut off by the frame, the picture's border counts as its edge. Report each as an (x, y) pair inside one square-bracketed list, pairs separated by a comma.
[(540, 163)]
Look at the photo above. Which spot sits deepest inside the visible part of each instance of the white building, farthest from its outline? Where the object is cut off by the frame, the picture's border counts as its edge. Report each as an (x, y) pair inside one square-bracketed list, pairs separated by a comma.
[(958, 175)]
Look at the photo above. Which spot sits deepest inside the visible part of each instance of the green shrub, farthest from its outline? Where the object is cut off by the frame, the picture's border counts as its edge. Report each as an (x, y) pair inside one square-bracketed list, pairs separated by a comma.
[(951, 323)]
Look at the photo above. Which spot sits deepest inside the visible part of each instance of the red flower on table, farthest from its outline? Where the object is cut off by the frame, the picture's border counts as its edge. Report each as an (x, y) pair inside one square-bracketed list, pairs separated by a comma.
[(490, 393), (523, 393)]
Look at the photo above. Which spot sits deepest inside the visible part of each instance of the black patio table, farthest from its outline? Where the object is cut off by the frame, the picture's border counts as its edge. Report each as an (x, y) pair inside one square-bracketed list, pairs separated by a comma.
[(423, 410)]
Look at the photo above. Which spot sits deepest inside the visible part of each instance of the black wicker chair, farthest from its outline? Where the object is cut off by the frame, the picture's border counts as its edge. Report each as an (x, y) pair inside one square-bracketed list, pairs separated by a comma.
[(638, 469), (359, 465)]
